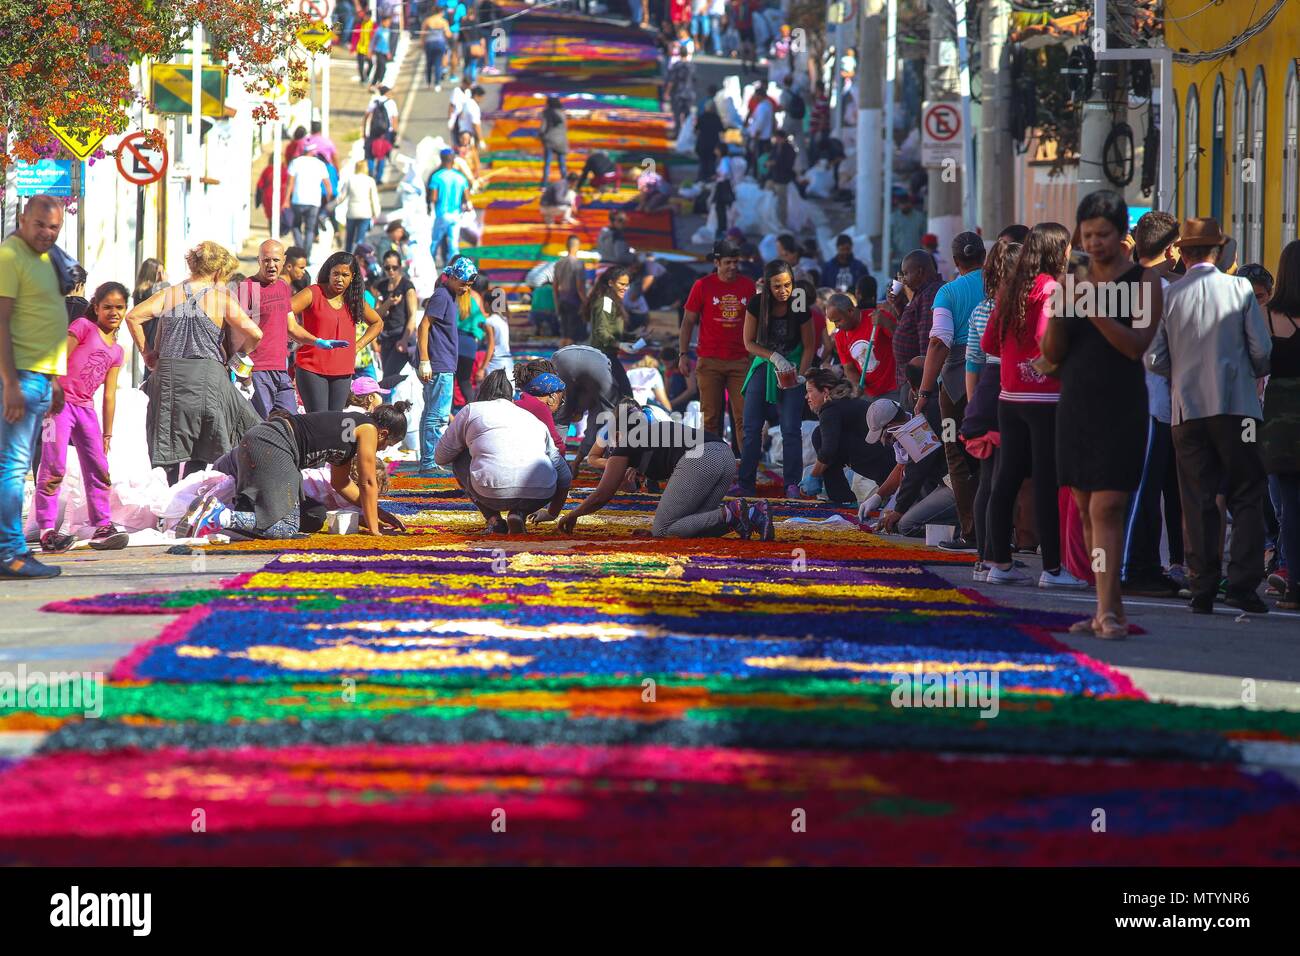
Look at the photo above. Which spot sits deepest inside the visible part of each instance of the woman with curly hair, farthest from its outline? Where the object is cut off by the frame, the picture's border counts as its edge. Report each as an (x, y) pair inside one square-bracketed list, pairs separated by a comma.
[(196, 414), (324, 323)]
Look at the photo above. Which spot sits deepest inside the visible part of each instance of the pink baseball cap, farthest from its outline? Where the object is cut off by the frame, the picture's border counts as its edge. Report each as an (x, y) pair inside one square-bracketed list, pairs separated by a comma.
[(365, 385)]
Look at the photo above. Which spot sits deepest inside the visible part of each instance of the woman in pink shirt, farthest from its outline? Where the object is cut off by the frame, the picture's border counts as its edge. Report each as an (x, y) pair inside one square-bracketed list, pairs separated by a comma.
[(1027, 406), (94, 358)]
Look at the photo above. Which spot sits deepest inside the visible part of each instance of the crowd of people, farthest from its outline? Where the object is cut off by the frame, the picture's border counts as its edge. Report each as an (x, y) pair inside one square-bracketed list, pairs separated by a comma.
[(1125, 403)]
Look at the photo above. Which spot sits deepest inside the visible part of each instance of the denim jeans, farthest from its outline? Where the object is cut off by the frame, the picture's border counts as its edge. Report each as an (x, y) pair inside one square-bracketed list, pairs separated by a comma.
[(376, 169), (446, 229), (357, 230), (304, 225), (16, 443), (547, 153), (435, 55), (636, 9), (938, 507), (436, 415), (789, 405)]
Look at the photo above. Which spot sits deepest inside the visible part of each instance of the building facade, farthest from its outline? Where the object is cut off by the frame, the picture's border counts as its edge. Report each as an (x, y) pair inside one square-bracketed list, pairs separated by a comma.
[(1238, 119)]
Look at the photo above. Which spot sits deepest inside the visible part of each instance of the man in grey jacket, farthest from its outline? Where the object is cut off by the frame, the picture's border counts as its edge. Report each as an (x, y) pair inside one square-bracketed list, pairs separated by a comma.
[(1212, 345)]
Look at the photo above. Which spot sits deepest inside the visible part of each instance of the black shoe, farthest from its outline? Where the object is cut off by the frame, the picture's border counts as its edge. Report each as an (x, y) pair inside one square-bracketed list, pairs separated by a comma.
[(1248, 601), (56, 542), (109, 538), (1158, 586), (26, 566), (1203, 604), (958, 543)]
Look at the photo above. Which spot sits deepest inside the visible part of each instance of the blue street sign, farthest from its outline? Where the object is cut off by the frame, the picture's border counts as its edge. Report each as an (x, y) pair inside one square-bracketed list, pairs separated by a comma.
[(1134, 214), (52, 177)]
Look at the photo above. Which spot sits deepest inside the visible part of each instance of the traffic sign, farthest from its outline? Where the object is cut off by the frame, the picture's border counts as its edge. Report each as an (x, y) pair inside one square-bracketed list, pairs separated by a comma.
[(315, 36), (941, 134), (140, 161), (49, 177), (172, 89), (80, 142)]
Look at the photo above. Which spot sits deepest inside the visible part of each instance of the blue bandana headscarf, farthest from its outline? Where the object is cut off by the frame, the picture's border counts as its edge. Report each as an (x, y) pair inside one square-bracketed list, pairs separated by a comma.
[(545, 384), (462, 268)]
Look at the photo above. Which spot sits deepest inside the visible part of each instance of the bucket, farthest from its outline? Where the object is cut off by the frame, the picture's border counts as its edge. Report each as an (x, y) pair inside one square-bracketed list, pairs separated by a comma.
[(342, 522), (241, 364), (936, 534), (916, 437)]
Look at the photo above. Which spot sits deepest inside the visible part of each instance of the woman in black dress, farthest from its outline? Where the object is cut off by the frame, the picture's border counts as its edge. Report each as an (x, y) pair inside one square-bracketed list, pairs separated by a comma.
[(1101, 420)]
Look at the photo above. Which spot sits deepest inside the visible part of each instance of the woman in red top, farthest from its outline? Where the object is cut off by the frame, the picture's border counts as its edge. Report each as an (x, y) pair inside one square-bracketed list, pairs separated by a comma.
[(324, 322), (1027, 406)]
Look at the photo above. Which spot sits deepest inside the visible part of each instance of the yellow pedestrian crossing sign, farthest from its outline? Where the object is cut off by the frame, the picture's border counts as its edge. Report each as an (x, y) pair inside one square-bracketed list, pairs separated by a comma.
[(315, 36), (171, 88), (80, 142)]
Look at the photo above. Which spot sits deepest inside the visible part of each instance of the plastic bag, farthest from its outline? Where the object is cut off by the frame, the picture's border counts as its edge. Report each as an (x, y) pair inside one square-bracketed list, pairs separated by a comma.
[(821, 180), (686, 138)]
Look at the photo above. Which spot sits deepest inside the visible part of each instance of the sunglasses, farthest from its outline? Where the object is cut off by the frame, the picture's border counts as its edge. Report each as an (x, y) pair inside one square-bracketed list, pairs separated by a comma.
[(1256, 274), (392, 268)]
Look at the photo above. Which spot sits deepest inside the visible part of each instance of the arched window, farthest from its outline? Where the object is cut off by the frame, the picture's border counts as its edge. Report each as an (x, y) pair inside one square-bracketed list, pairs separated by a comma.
[(1177, 124), (1240, 144), (1291, 158), (1218, 151), (1258, 151), (1192, 163)]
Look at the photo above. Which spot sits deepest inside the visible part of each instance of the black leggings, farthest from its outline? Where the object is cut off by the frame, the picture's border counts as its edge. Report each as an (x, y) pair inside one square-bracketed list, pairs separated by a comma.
[(1028, 431), (322, 393), (988, 468), (465, 378)]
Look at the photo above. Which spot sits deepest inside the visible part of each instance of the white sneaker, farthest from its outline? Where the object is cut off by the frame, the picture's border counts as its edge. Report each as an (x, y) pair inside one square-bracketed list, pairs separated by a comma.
[(1011, 575), (1062, 580), (980, 571), (437, 87)]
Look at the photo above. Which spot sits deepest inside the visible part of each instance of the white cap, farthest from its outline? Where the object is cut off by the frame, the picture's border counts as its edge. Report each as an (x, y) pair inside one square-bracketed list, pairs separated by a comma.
[(879, 415)]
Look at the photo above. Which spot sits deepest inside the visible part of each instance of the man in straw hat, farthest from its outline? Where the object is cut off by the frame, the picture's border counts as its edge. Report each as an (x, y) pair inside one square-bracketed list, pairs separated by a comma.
[(1212, 346)]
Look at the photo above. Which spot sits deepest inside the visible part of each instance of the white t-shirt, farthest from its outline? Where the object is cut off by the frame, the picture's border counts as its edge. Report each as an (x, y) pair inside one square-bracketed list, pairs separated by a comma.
[(468, 116), (309, 180), (644, 380), (501, 350)]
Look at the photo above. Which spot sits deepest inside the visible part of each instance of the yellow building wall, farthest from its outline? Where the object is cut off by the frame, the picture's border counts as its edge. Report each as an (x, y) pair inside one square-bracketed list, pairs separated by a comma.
[(1276, 50)]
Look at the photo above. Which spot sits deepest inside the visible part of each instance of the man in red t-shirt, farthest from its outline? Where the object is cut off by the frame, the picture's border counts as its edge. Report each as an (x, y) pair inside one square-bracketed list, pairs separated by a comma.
[(718, 303), (266, 297), (855, 334)]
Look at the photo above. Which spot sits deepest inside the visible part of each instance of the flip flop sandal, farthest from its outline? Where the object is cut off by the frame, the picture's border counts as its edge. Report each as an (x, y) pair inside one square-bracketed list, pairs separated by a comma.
[(1084, 627), (1112, 628)]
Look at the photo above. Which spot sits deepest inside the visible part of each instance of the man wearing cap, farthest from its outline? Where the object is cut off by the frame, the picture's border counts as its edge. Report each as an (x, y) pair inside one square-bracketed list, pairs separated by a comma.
[(922, 497), (1212, 346), (437, 339), (446, 198), (309, 184), (717, 302)]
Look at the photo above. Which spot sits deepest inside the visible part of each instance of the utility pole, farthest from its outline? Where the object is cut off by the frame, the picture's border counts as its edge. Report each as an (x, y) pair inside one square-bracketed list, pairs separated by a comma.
[(996, 166), (195, 224), (942, 83), (873, 144)]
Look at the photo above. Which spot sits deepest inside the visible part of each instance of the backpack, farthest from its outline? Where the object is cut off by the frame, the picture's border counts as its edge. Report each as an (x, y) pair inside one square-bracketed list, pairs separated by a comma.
[(381, 124), (797, 106)]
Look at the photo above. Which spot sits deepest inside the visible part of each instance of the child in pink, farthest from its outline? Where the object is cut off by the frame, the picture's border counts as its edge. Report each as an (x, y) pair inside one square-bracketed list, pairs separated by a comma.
[(94, 358)]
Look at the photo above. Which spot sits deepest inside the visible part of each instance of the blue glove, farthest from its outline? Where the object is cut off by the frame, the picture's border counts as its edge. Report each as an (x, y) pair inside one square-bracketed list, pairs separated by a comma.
[(325, 344), (811, 486)]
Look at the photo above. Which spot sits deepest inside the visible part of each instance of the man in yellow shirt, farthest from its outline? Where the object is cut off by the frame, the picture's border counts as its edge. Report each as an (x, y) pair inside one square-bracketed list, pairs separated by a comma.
[(33, 354)]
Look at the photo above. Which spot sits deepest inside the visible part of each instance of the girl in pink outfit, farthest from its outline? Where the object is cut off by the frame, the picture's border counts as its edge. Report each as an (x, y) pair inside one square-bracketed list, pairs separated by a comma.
[(94, 358)]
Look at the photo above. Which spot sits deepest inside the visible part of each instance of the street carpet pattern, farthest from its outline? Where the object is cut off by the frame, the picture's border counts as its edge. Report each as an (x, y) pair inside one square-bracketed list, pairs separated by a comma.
[(448, 698)]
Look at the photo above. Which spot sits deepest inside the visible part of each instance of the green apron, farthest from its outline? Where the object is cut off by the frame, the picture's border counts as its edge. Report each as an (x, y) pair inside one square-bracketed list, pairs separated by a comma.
[(773, 389)]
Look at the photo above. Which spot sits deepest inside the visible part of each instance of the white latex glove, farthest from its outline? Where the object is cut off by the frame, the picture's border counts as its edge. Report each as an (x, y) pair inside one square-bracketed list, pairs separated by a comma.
[(868, 506), (781, 363), (426, 372)]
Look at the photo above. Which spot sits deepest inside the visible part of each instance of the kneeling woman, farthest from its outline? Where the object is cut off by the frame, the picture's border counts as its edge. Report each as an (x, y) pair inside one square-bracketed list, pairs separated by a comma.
[(699, 468), (268, 466), (504, 458)]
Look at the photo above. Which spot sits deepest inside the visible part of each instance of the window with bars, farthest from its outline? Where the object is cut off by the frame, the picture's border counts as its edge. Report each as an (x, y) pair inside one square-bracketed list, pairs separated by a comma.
[(1192, 166), (1291, 158), (1240, 198), (1258, 152)]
